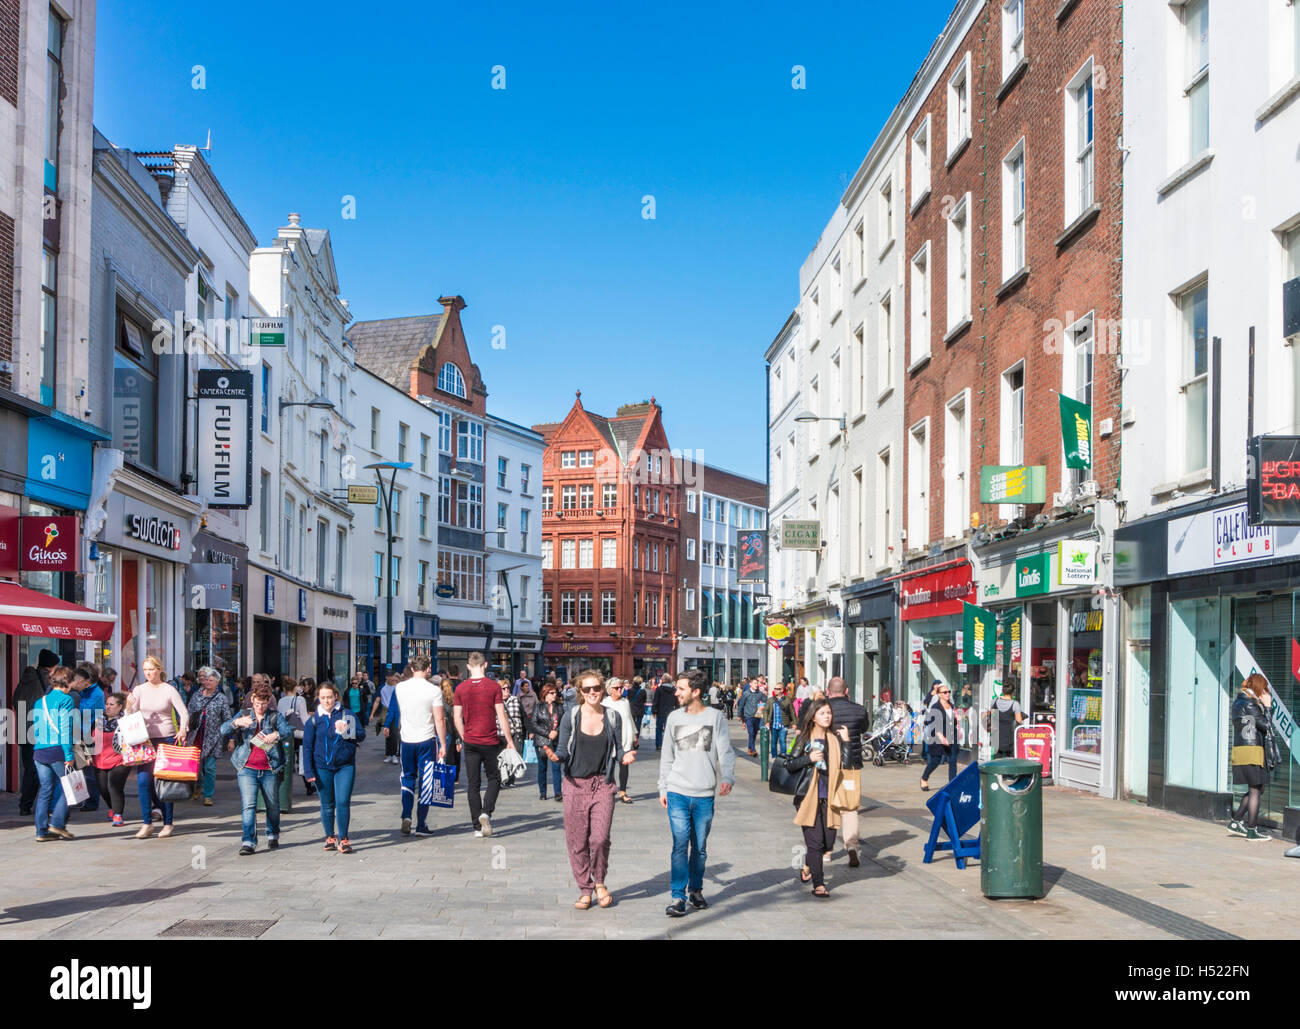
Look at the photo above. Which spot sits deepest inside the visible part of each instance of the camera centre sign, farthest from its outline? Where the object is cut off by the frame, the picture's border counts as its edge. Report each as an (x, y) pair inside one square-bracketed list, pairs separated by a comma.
[(226, 438)]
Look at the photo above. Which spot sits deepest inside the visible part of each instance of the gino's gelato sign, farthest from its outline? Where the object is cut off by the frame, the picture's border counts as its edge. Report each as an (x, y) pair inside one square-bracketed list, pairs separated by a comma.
[(50, 544)]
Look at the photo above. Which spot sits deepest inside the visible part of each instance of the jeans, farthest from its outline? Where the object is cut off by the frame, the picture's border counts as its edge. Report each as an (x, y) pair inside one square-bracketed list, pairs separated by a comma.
[(777, 739), (51, 804), (478, 759), (938, 755), (752, 724), (92, 789), (335, 792), (144, 786), (250, 781), (557, 775), (689, 818), (413, 756), (660, 722), (208, 774)]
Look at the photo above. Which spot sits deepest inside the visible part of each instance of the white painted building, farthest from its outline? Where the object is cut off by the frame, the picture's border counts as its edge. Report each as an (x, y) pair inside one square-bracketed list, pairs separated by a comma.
[(513, 509), (301, 616)]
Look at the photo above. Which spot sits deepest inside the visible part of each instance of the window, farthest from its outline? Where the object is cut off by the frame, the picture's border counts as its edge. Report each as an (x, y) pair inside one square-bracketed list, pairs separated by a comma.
[(135, 388), (608, 608), (397, 512), (884, 509), (266, 397), (584, 607), (690, 599), (586, 458), (920, 286), (690, 502), (469, 506), (731, 557), (53, 103), (469, 436), (444, 500), (1013, 211), (548, 498), (1013, 416), (654, 501), (1192, 309), (568, 459), (921, 161), (463, 572), (546, 608), (654, 609), (636, 553), (1013, 35), (636, 602), (1079, 385), (524, 514), (568, 553), (340, 551), (1196, 74), (706, 552), (379, 576), (421, 583), (608, 495), (423, 511), (374, 429), (886, 214), (654, 557), (548, 554), (1291, 255), (859, 518), (566, 608), (323, 470), (503, 514), (424, 453), (49, 321), (918, 485), (503, 469), (450, 380), (707, 511), (609, 552), (525, 472), (859, 259), (1078, 144), (586, 553), (719, 554), (403, 432), (587, 496), (286, 536), (444, 432), (959, 264), (956, 460), (264, 513), (722, 511), (959, 107), (886, 347), (636, 496), (690, 548), (568, 497)]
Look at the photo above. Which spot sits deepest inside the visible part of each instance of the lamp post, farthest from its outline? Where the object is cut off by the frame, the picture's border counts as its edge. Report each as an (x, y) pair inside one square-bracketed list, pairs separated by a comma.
[(387, 494), (504, 573), (713, 661), (807, 417)]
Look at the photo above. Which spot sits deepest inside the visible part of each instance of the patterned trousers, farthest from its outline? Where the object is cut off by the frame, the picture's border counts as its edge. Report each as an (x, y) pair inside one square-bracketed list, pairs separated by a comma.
[(588, 815)]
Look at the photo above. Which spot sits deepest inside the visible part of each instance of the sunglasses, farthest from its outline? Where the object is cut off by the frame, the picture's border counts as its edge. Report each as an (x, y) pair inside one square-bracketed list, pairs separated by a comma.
[(593, 689)]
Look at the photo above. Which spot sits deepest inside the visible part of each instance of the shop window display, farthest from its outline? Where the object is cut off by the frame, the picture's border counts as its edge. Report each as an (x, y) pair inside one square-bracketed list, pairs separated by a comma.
[(1083, 712), (1042, 664)]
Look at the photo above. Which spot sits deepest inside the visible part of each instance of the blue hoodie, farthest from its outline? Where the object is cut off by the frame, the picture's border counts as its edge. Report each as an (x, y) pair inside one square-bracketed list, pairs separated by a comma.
[(322, 747)]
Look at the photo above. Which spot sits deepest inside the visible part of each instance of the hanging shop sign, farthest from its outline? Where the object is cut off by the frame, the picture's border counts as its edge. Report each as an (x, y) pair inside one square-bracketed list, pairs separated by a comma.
[(936, 594), (830, 639), (269, 332), (363, 494), (1076, 562), (1013, 484), (226, 438), (50, 544), (868, 639), (1009, 630), (1273, 480), (210, 586), (444, 591), (1076, 432), (979, 635), (302, 604), (801, 535), (778, 632), (1033, 575), (753, 557), (269, 596)]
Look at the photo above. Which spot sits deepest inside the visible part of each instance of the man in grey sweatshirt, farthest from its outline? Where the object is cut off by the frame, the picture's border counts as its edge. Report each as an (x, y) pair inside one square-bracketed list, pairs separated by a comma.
[(696, 763)]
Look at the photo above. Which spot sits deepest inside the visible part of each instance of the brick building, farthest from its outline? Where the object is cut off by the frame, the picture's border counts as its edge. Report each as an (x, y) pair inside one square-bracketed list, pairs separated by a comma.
[(611, 528), (1013, 293)]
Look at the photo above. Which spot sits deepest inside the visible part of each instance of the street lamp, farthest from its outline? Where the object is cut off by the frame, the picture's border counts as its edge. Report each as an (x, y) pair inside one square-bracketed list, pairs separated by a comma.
[(387, 494), (320, 402), (713, 661), (504, 573)]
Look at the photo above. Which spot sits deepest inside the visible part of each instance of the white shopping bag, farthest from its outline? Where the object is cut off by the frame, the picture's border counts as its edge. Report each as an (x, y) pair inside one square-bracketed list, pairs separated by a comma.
[(74, 788), (133, 729)]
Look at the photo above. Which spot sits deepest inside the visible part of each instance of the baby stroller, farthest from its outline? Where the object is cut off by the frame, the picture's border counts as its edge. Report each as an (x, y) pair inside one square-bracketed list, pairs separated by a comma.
[(887, 740)]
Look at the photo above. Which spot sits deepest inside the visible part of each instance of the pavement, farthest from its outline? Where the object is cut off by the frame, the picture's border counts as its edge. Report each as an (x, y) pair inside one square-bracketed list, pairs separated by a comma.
[(1114, 870)]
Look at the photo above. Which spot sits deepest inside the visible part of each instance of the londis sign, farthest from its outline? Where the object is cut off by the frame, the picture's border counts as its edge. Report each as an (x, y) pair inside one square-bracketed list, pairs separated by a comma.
[(1273, 480)]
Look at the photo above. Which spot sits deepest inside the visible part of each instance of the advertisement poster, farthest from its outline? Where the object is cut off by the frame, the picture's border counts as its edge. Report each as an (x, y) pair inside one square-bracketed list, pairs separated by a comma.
[(753, 557), (225, 438), (979, 635), (1035, 742), (1076, 432)]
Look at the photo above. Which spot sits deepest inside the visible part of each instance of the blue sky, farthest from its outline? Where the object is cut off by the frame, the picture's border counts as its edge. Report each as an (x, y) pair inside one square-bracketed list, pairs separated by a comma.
[(527, 201)]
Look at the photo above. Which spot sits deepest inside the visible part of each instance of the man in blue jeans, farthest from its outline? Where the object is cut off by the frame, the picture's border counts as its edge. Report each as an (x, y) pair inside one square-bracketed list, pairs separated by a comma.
[(751, 711), (696, 763)]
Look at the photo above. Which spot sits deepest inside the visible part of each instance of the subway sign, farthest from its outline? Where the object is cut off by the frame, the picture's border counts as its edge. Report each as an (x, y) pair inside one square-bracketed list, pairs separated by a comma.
[(1273, 480)]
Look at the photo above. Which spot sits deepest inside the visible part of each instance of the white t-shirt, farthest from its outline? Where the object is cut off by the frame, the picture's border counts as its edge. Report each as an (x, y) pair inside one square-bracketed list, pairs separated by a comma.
[(416, 700)]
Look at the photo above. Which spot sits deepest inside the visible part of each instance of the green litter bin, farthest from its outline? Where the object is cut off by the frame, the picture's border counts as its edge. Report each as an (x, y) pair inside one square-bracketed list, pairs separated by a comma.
[(286, 780), (1011, 828)]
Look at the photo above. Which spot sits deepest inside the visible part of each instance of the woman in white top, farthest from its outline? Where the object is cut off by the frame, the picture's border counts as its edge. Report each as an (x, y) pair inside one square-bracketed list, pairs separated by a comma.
[(168, 721), (617, 700)]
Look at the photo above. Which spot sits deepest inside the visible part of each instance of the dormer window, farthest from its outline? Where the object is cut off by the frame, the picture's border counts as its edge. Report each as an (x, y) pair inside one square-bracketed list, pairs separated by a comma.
[(451, 381)]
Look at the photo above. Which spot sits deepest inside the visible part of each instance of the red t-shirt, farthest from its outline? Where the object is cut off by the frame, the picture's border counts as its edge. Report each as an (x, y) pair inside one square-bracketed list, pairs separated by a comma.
[(478, 699), (258, 760)]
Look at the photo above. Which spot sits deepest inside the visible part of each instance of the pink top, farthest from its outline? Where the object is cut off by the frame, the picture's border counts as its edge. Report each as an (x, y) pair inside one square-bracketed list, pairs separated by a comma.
[(156, 703)]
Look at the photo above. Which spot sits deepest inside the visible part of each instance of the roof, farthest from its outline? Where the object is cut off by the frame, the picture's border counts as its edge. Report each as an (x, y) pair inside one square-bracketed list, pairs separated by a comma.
[(315, 237), (390, 347)]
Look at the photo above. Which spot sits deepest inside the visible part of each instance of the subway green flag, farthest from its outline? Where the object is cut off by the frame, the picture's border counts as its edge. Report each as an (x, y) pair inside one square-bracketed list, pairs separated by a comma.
[(979, 635), (1076, 432)]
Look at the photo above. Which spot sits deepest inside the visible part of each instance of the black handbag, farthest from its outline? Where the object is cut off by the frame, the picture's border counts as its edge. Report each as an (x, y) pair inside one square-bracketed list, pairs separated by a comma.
[(781, 780)]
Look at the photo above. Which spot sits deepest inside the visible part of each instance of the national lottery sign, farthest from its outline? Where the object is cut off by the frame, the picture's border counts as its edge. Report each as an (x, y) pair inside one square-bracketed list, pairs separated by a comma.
[(225, 440)]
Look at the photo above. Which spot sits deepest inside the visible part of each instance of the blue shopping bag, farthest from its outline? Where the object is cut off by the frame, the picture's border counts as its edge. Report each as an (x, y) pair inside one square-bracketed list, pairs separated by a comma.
[(437, 784), (530, 752)]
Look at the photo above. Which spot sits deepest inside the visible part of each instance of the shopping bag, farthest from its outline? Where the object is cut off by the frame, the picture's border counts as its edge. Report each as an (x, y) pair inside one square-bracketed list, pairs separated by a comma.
[(176, 764), (133, 729), (530, 752), (136, 754), (437, 784), (170, 791), (74, 788)]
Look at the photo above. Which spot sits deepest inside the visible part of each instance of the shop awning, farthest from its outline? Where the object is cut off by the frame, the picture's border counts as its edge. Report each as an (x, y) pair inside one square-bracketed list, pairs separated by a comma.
[(25, 612)]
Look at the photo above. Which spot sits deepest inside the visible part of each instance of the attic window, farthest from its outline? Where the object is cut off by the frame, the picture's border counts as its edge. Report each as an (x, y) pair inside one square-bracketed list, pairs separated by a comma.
[(450, 380)]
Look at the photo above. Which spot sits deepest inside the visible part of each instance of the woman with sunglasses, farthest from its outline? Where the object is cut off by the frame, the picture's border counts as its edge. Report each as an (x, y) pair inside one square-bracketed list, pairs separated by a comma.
[(941, 736), (546, 733), (590, 748)]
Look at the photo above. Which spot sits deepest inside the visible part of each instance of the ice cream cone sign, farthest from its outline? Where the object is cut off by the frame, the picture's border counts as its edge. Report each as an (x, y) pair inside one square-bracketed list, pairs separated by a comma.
[(51, 534)]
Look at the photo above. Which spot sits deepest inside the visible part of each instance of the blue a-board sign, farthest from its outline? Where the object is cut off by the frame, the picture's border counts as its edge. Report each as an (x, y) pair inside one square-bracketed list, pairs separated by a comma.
[(956, 810)]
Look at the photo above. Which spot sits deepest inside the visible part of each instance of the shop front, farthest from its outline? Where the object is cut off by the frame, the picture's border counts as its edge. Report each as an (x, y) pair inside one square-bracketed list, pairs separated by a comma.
[(566, 658), (700, 654), (455, 643), (216, 582), (1208, 598), (652, 659), (369, 643), (870, 616), (527, 647), (334, 618), (931, 616)]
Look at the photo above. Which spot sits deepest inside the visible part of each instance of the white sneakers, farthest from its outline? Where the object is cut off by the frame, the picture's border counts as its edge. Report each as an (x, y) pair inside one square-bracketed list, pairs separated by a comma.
[(485, 824)]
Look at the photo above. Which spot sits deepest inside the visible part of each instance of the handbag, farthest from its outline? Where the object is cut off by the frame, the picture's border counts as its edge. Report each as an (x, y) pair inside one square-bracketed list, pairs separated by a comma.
[(177, 764), (780, 779), (133, 729), (136, 753), (437, 784), (530, 753), (74, 788), (170, 791)]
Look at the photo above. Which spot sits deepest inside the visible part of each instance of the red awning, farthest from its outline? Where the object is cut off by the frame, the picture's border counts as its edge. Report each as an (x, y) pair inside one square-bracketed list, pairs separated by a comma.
[(25, 612)]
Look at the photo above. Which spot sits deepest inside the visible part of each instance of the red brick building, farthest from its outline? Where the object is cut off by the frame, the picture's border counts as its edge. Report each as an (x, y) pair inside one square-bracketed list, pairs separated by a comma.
[(611, 528)]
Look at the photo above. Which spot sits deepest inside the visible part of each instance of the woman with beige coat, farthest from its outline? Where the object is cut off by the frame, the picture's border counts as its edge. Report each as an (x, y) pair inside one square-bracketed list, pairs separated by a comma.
[(820, 795)]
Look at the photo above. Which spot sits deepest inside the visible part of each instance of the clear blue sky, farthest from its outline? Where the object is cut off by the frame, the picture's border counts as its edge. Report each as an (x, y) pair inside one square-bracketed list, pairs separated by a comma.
[(527, 200)]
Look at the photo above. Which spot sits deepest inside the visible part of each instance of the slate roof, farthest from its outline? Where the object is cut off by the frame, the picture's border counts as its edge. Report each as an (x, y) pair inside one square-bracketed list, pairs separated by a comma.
[(390, 347)]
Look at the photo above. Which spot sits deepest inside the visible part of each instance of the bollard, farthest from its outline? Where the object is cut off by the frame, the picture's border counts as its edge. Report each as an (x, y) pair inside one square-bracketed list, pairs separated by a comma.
[(764, 750)]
